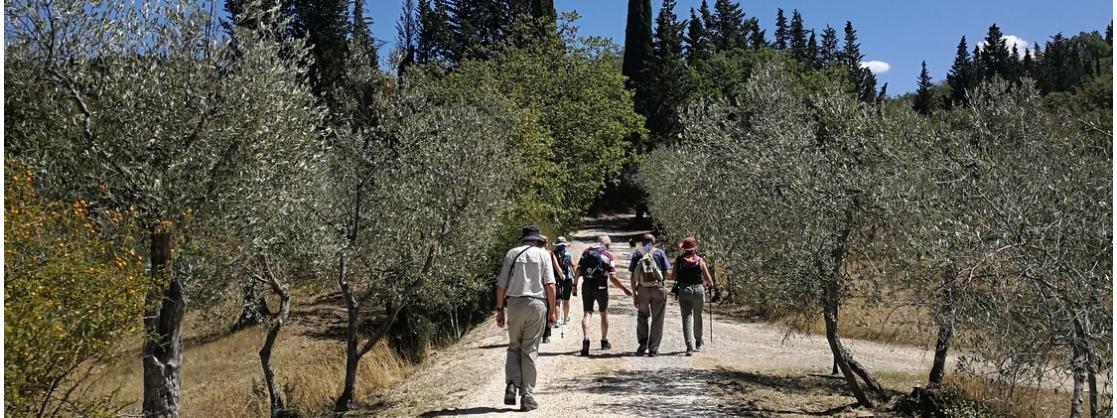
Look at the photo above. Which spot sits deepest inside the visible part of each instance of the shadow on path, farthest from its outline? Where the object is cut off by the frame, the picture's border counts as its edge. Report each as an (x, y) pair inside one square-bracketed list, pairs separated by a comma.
[(449, 412), (679, 392)]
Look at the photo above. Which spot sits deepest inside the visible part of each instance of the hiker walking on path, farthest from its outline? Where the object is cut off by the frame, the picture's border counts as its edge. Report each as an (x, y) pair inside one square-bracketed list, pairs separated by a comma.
[(565, 281), (598, 266), (690, 273), (526, 287), (648, 266)]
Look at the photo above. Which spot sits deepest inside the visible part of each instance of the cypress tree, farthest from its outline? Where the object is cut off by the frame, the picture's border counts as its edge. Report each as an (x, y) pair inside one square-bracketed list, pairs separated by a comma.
[(637, 41), (828, 51), (798, 37), (435, 32), (326, 25), (1028, 65), (407, 32), (812, 52), (781, 30), (923, 100), (1109, 33), (544, 10), (697, 46), (961, 75), (728, 30), (666, 75), (883, 91)]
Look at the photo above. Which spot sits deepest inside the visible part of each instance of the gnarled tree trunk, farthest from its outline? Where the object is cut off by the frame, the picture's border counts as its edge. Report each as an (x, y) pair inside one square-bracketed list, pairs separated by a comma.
[(162, 349), (275, 400), (841, 357)]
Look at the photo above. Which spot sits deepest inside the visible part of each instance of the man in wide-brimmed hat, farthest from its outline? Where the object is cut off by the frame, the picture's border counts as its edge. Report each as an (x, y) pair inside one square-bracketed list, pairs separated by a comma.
[(526, 288)]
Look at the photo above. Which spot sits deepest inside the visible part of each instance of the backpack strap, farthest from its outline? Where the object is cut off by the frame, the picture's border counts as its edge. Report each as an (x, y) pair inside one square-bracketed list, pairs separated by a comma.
[(512, 268)]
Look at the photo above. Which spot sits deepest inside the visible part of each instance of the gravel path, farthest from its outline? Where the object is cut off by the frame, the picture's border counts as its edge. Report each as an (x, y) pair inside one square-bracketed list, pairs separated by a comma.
[(745, 369)]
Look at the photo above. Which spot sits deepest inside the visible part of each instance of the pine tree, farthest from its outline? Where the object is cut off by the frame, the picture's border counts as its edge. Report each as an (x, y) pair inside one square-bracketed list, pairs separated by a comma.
[(709, 24), (863, 80), (1028, 65), (781, 30), (637, 41), (828, 51), (728, 29), (479, 27), (697, 45), (923, 100), (756, 35), (995, 55), (961, 76), (798, 37), (883, 92), (1109, 33)]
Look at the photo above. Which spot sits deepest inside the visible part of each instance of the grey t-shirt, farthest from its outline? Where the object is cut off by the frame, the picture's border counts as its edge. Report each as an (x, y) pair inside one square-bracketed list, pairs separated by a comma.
[(525, 275)]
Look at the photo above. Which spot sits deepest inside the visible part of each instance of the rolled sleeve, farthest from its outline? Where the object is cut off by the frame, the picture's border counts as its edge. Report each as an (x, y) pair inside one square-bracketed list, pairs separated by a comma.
[(549, 269)]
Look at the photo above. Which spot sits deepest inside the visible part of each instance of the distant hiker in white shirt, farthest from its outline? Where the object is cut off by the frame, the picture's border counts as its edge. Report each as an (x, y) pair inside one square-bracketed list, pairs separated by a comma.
[(526, 287)]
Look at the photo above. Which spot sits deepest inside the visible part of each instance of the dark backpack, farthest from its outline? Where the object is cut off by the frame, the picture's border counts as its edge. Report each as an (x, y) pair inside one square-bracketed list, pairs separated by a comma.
[(563, 258), (593, 267)]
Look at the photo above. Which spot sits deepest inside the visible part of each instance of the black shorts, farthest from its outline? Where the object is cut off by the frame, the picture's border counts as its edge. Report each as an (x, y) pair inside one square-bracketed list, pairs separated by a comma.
[(563, 287), (598, 293)]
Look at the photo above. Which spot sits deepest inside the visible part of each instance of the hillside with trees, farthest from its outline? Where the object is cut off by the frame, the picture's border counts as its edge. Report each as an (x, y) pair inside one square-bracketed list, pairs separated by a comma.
[(170, 168)]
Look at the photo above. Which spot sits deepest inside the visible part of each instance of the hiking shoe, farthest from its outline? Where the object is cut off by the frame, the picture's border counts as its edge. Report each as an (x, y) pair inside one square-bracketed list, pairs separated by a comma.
[(689, 351), (698, 346), (510, 394), (605, 345), (546, 340), (653, 354), (641, 349), (527, 403), (586, 347)]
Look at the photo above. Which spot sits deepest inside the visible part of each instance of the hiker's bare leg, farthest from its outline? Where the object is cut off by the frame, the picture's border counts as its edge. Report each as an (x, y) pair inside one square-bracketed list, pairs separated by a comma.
[(586, 324), (565, 309), (604, 325)]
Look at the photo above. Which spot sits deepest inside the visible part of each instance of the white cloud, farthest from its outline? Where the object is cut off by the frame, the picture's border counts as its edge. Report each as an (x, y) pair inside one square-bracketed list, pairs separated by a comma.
[(1011, 40), (876, 67)]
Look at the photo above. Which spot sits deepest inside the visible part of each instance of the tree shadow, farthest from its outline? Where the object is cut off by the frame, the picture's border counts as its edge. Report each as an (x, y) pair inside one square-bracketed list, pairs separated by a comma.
[(675, 392), (448, 412)]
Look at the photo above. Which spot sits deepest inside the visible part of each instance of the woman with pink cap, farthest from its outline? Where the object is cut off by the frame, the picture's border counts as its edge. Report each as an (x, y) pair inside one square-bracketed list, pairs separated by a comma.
[(690, 275)]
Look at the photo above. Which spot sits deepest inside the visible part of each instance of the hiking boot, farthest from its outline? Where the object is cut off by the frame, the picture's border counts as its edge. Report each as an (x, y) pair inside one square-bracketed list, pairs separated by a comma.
[(689, 351), (653, 354), (510, 394), (586, 347), (546, 340), (527, 403), (641, 349), (698, 346), (605, 345)]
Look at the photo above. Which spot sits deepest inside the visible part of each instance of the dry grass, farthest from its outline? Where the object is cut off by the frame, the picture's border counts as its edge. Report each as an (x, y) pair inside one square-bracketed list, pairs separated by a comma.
[(221, 376), (1016, 401)]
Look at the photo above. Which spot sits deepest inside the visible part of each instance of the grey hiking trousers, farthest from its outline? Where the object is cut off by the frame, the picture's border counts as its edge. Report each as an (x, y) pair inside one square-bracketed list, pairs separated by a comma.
[(691, 298), (651, 303), (525, 321)]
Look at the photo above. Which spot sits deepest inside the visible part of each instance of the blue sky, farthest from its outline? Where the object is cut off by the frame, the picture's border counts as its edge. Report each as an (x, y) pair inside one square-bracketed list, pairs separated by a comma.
[(897, 32)]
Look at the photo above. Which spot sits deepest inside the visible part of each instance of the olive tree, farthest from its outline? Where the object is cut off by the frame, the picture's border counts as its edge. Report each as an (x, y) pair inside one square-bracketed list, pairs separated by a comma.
[(407, 202), (799, 175), (142, 102)]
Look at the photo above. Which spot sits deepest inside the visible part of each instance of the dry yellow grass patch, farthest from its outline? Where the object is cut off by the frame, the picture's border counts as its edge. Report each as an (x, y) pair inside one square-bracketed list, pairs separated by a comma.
[(223, 378)]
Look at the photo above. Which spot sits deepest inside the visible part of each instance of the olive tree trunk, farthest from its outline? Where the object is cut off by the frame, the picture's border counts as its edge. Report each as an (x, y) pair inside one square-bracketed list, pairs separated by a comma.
[(275, 400), (946, 328), (162, 349)]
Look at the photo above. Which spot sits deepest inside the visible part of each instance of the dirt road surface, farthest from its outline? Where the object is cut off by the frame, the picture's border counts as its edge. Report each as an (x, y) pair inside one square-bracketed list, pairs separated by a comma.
[(745, 369)]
